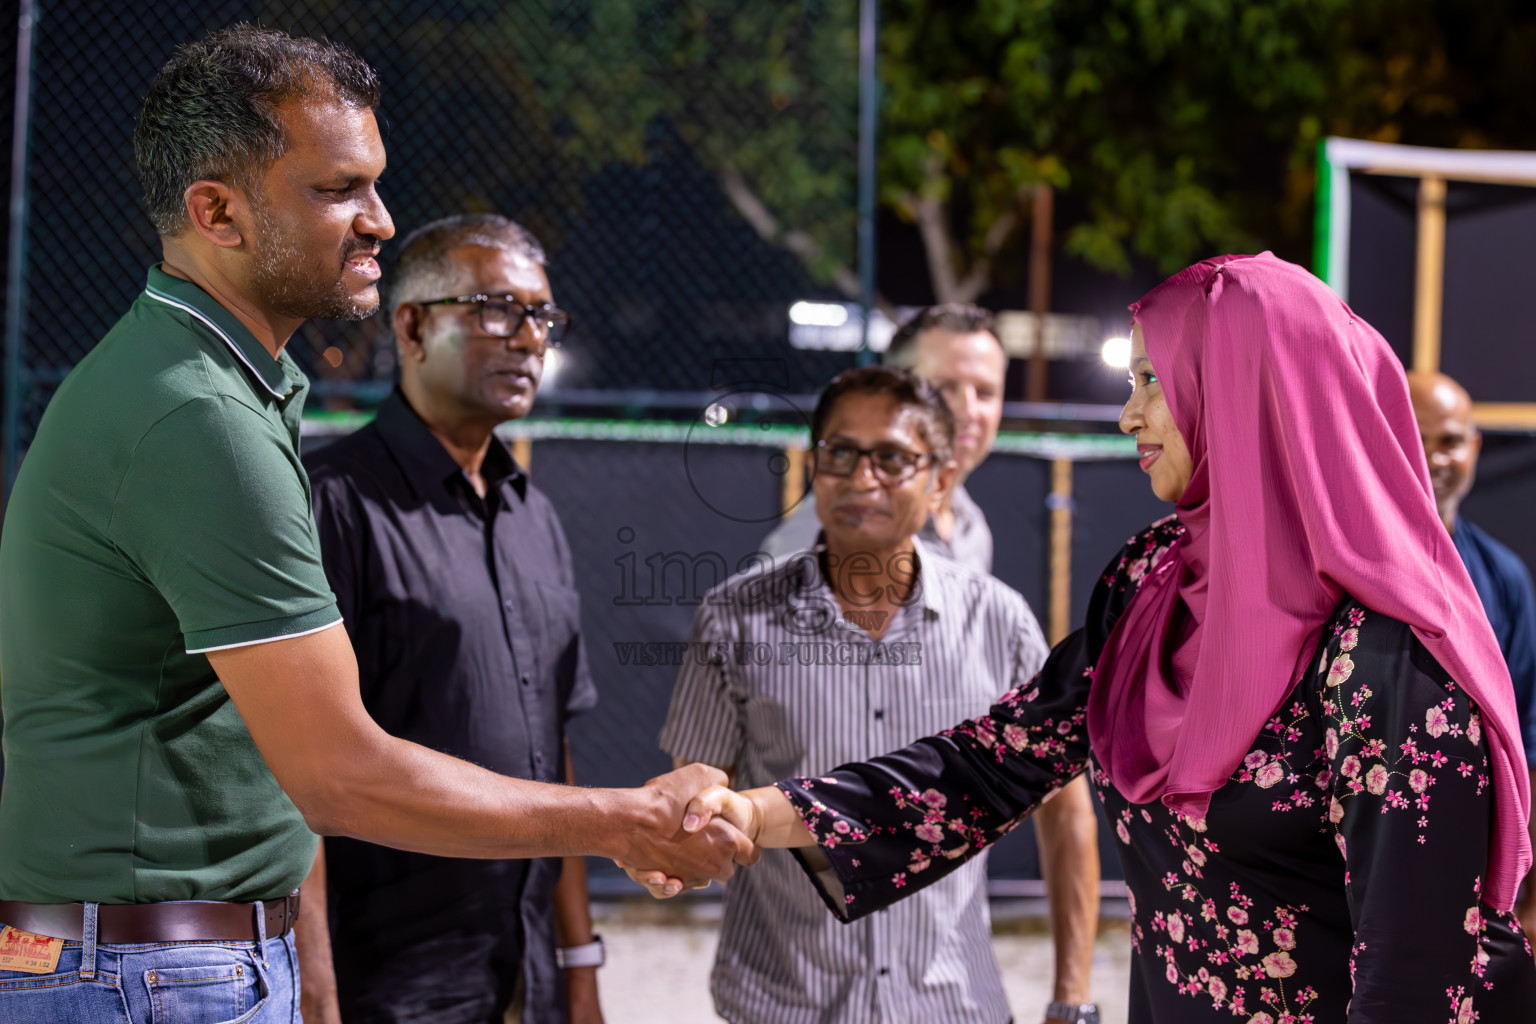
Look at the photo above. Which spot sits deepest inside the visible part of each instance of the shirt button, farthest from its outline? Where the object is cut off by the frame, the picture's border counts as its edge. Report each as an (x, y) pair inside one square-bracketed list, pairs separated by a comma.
[(884, 971), (507, 604), (879, 714), (527, 681)]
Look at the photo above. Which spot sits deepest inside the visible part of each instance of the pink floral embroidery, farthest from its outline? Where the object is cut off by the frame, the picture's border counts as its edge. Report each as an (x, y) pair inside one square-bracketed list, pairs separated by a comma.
[(929, 833), (1376, 779), (1279, 965), (1435, 722), (1474, 921), (1342, 668)]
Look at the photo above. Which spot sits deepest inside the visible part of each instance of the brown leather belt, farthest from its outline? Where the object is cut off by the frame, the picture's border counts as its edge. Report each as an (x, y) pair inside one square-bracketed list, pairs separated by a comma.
[(126, 924)]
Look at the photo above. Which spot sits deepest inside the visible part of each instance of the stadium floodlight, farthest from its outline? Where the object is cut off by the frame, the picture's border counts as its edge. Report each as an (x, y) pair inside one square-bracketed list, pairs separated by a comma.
[(818, 314), (1117, 352)]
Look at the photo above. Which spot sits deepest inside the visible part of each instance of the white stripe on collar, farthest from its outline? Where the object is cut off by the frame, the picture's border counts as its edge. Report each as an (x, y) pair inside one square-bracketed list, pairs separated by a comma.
[(162, 297)]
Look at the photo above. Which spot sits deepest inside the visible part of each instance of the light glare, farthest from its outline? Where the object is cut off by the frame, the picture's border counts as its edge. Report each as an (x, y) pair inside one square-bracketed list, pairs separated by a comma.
[(552, 361), (818, 314), (1117, 352)]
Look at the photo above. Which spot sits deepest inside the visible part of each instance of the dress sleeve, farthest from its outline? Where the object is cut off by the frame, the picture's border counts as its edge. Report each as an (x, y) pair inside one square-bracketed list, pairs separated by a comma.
[(900, 822), (1410, 812)]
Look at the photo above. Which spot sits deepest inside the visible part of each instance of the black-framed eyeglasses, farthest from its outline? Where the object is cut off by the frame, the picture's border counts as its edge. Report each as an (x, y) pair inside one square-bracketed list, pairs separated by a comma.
[(502, 316), (890, 463)]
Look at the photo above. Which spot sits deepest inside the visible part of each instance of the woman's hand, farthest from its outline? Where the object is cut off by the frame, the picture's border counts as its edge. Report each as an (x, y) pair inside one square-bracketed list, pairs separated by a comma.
[(737, 809)]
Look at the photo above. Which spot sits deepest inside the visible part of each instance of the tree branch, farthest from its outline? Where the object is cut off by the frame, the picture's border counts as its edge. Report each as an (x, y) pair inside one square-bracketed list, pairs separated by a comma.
[(756, 213)]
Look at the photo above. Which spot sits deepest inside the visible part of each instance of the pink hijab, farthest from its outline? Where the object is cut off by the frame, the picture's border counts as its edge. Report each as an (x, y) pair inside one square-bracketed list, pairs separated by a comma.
[(1309, 482)]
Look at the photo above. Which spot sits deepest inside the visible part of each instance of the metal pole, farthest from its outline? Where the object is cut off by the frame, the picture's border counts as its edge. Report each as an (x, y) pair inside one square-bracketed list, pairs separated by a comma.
[(16, 278), (869, 108)]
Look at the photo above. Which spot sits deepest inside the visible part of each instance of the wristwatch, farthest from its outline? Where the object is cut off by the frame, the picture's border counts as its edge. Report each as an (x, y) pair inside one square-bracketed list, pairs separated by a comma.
[(591, 954), (1073, 1013)]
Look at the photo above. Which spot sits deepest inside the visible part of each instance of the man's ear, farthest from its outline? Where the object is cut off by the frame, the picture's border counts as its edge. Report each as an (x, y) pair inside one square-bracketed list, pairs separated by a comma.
[(217, 212), (407, 322), (943, 483)]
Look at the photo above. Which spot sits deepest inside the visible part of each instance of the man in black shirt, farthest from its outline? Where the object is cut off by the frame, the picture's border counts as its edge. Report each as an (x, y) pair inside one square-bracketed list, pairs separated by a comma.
[(454, 579)]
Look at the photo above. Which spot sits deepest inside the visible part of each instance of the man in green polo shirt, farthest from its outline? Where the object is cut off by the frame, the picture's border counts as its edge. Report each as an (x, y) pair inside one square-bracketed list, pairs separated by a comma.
[(181, 706)]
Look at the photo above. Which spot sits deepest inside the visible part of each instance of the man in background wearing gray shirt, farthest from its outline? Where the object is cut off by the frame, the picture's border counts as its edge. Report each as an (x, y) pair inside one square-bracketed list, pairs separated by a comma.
[(834, 655), (953, 347)]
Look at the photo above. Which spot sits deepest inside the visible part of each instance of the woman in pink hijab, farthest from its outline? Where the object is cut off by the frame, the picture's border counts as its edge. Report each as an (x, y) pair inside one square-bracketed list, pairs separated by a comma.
[(1287, 694)]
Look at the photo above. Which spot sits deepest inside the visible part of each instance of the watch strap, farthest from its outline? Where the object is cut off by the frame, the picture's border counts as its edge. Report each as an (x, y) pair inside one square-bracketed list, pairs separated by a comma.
[(591, 954), (1073, 1013)]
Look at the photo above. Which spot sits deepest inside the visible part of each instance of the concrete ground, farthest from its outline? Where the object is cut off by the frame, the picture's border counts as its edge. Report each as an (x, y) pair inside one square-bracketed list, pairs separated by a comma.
[(659, 957)]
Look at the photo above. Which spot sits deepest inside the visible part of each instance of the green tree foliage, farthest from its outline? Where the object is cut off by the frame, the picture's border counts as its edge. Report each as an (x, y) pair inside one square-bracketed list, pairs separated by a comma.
[(1171, 129), (1179, 127), (765, 95)]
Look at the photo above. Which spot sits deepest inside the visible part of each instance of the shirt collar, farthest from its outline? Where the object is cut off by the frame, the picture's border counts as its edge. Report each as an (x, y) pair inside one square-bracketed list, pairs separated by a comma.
[(272, 374), (930, 588), (428, 466)]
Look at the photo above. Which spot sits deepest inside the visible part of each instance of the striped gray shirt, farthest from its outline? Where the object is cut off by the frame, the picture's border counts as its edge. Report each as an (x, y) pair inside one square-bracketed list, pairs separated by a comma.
[(779, 683)]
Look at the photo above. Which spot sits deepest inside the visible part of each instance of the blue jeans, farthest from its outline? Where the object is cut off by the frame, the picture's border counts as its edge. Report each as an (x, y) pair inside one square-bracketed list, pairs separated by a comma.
[(158, 983)]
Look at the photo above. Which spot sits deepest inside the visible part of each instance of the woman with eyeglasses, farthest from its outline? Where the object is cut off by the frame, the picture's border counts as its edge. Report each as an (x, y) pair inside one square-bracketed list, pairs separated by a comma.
[(1287, 694)]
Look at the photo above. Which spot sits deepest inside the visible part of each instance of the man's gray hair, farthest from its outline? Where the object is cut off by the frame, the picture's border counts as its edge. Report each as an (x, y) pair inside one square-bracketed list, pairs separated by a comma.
[(423, 271), (211, 112)]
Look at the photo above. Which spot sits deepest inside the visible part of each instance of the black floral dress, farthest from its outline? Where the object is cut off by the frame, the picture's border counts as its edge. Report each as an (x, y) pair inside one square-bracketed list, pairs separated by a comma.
[(1335, 877)]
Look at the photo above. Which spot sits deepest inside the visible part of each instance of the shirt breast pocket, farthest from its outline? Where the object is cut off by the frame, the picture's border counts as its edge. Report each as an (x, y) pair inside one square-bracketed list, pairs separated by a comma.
[(775, 739), (556, 624)]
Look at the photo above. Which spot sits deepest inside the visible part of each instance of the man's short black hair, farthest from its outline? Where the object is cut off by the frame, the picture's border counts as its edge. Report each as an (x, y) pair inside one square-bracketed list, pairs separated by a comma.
[(937, 425), (211, 112), (960, 318)]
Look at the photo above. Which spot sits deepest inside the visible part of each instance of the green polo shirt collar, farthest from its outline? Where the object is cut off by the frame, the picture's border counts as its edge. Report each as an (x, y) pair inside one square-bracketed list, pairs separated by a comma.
[(271, 373)]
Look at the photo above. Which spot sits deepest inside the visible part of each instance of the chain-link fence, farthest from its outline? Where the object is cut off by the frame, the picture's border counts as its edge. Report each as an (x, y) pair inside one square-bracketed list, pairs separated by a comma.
[(690, 166)]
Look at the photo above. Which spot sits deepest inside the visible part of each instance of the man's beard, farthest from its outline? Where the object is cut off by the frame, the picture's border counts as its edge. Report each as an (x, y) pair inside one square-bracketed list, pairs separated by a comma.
[(293, 285)]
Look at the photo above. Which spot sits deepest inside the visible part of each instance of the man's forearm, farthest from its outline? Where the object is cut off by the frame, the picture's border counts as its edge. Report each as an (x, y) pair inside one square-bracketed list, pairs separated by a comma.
[(412, 798), (1067, 834), (573, 912), (299, 698)]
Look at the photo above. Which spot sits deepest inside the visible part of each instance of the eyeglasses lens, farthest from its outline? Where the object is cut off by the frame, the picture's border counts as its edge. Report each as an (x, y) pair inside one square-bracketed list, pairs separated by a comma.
[(503, 320)]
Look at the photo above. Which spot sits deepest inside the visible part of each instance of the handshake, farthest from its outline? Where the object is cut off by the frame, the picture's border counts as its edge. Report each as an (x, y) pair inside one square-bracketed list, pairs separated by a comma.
[(693, 830)]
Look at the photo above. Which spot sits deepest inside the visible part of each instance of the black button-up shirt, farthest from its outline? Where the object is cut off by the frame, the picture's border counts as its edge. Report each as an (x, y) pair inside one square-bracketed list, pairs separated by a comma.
[(466, 623)]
